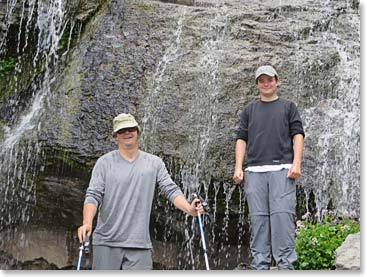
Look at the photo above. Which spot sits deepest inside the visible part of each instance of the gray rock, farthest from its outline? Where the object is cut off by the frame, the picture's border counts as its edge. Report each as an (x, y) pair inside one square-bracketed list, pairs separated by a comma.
[(348, 255)]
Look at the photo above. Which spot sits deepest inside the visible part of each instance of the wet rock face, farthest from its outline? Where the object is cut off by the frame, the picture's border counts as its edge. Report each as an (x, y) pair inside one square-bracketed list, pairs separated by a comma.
[(186, 72), (40, 248), (185, 69)]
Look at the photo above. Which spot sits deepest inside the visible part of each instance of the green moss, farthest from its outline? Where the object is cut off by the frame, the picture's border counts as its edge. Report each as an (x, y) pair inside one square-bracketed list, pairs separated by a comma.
[(59, 161), (2, 131), (95, 18), (7, 85), (64, 41), (145, 7), (7, 82), (68, 100), (13, 81), (7, 65), (66, 158)]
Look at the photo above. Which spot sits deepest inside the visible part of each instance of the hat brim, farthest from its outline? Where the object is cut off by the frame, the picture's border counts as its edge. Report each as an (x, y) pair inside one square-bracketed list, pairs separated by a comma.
[(125, 126), (266, 73)]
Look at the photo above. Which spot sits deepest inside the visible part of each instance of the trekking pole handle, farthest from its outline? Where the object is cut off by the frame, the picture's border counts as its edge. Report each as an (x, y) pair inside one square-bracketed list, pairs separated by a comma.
[(86, 244)]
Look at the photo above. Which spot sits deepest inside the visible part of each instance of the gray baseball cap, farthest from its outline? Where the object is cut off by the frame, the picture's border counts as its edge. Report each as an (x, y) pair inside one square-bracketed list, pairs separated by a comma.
[(267, 70)]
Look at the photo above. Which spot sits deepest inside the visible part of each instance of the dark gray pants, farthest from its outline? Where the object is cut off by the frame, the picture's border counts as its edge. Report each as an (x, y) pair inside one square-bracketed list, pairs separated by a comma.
[(271, 197), (119, 258)]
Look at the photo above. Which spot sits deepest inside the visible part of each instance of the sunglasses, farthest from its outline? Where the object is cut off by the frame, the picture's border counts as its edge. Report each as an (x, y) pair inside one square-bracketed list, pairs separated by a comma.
[(124, 130)]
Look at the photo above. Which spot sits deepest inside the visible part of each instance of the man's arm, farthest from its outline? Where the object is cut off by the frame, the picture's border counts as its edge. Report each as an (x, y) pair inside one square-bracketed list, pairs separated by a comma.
[(89, 212), (192, 209), (240, 151), (298, 144), (93, 198)]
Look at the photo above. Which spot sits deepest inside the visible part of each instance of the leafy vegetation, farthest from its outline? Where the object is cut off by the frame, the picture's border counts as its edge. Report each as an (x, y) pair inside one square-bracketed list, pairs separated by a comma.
[(316, 242)]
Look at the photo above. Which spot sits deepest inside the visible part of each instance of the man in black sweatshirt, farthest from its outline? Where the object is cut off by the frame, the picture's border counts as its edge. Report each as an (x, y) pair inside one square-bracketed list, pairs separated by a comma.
[(271, 133)]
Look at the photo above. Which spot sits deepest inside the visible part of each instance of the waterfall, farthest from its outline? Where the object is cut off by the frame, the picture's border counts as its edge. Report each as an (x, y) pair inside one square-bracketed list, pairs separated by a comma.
[(205, 107), (194, 171), (332, 126), (10, 6), (20, 148), (152, 105), (151, 118), (204, 113)]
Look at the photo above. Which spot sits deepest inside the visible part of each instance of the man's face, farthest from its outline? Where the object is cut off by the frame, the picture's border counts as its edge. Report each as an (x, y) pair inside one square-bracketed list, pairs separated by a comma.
[(267, 85), (127, 136)]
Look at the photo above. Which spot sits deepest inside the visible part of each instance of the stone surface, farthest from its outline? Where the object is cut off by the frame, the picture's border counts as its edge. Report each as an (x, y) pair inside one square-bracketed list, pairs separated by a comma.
[(39, 247), (348, 255)]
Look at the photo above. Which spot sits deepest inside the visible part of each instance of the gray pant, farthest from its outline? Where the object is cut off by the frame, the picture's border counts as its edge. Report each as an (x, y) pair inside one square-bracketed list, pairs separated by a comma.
[(119, 258), (271, 198)]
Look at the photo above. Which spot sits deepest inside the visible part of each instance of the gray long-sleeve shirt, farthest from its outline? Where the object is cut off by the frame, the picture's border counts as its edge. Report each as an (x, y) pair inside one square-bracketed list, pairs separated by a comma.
[(123, 191)]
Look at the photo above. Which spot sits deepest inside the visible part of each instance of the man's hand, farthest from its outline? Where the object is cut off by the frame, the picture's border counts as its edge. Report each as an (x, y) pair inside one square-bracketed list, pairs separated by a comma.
[(196, 207), (295, 171), (192, 209), (83, 230), (89, 211), (238, 176)]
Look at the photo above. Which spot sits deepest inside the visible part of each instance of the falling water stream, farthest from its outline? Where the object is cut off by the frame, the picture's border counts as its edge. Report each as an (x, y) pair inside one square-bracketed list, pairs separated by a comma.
[(154, 98), (333, 125), (331, 116), (195, 168), (21, 150), (20, 147)]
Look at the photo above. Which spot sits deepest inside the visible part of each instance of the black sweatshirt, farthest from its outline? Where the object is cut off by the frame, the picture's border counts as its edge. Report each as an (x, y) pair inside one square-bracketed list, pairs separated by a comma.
[(268, 129)]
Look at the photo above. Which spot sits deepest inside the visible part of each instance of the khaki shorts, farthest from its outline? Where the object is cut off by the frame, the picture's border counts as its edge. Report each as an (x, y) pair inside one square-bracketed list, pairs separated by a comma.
[(120, 258)]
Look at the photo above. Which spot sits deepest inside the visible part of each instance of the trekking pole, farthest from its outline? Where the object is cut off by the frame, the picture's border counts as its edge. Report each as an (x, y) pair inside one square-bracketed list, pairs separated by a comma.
[(201, 228), (84, 246), (80, 256)]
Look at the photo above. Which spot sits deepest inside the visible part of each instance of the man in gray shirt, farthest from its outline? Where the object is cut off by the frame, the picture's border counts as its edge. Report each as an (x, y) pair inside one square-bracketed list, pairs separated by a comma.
[(122, 188)]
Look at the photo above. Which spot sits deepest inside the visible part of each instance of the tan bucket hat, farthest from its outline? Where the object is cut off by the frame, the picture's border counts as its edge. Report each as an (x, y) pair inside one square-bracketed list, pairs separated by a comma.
[(124, 120)]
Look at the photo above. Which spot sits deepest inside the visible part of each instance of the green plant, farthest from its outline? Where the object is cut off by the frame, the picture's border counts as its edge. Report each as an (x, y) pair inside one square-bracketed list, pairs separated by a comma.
[(316, 243)]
